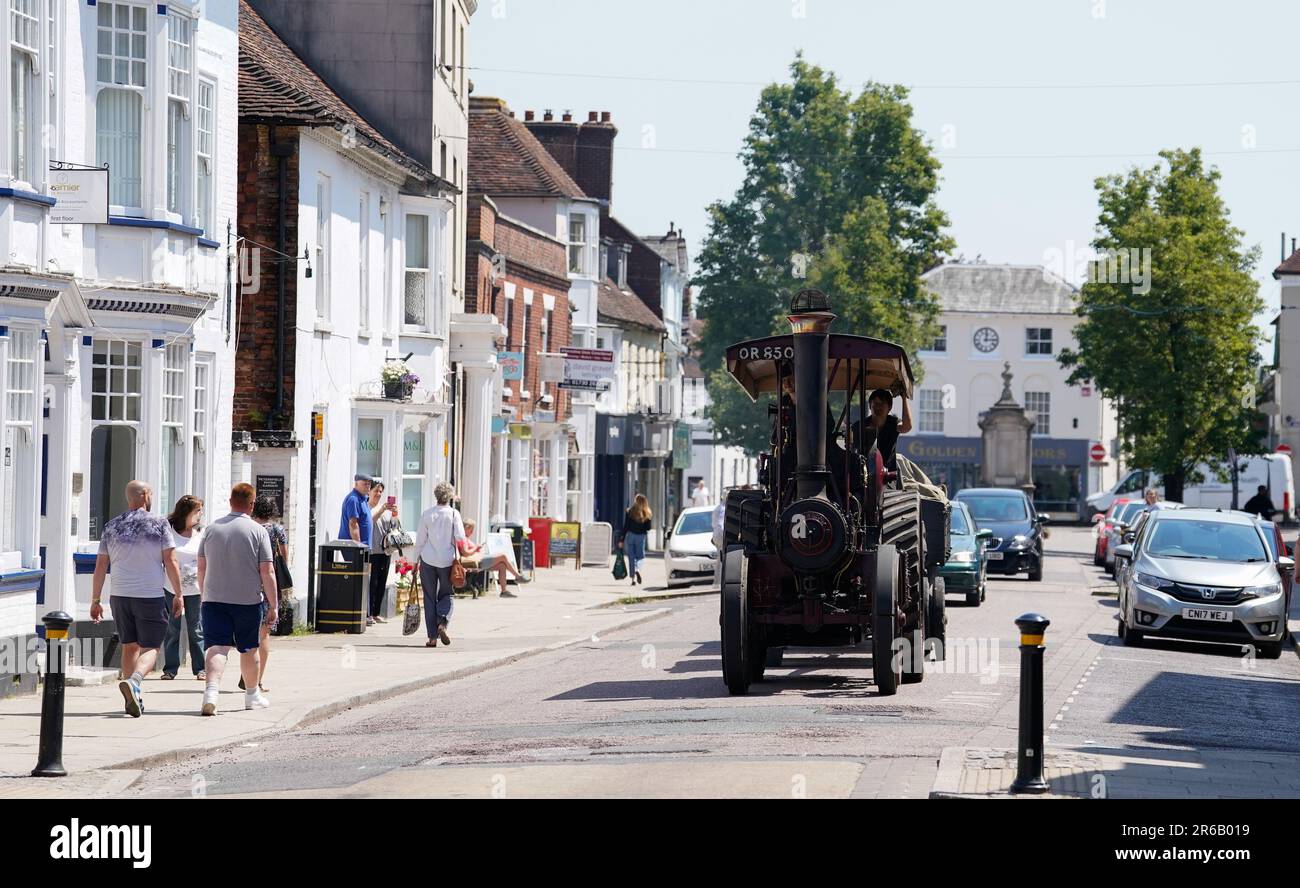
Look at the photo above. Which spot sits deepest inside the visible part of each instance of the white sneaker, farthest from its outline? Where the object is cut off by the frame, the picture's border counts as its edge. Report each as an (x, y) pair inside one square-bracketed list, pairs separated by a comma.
[(256, 700)]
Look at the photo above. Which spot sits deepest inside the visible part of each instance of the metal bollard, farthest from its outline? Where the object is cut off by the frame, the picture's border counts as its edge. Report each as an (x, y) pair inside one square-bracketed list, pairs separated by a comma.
[(49, 761), (1029, 764)]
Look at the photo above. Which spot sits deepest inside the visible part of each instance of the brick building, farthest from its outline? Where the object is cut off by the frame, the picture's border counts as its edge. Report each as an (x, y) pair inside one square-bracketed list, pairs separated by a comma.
[(531, 261), (346, 250)]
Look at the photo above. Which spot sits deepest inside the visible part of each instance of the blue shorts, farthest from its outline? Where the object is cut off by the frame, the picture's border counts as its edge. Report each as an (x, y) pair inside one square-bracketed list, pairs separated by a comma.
[(141, 621), (232, 625)]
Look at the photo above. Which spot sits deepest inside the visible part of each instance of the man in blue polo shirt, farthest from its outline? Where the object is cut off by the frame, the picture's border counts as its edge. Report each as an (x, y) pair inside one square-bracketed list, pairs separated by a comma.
[(356, 521)]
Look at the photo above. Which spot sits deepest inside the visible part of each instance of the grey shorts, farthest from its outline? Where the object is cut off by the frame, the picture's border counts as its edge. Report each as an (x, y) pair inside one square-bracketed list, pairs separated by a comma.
[(141, 621)]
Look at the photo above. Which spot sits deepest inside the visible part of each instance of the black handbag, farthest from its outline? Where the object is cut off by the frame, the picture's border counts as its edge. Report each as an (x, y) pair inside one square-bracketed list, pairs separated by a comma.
[(283, 577)]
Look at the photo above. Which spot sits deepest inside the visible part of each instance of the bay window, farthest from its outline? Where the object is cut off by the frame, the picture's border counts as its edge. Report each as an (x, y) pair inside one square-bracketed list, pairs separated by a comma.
[(179, 64), (577, 244), (24, 51), (121, 69)]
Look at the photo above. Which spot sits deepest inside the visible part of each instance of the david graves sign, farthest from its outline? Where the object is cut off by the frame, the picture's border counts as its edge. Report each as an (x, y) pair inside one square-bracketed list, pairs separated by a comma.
[(588, 369)]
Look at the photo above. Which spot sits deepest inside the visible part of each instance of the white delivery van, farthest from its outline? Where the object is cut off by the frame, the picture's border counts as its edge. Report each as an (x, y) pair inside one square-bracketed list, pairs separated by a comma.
[(1272, 470)]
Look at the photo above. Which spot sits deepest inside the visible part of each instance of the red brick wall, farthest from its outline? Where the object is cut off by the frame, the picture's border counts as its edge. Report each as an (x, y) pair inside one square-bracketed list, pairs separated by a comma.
[(255, 355)]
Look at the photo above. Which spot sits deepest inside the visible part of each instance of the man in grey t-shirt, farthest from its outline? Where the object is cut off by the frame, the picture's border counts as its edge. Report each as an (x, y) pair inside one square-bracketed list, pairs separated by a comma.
[(140, 549), (237, 581)]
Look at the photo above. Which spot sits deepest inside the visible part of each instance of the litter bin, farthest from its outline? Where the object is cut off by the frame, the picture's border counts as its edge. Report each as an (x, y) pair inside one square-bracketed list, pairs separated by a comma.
[(541, 537), (343, 584)]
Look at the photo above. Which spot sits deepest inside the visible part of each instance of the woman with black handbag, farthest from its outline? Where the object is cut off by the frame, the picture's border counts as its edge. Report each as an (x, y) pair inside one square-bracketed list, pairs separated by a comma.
[(264, 513)]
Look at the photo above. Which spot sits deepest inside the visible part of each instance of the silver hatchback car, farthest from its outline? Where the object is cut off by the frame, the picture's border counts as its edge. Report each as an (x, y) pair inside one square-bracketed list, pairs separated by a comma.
[(1205, 575)]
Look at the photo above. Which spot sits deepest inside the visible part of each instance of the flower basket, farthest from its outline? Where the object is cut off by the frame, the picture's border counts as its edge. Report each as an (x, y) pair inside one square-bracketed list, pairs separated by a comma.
[(398, 381)]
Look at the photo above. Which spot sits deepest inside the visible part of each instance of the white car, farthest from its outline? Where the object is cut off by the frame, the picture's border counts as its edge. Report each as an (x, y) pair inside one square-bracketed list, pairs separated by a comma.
[(691, 556)]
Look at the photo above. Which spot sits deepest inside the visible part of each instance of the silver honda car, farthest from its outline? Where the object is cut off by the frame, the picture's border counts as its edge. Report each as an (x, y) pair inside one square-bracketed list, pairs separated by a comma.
[(1206, 575)]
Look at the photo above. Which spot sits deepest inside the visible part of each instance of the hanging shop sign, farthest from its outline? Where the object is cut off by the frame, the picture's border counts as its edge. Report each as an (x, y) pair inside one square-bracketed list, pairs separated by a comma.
[(512, 365), (81, 192), (588, 369)]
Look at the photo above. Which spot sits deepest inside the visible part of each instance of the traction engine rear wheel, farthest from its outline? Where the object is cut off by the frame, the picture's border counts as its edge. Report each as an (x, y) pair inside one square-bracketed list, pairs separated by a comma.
[(901, 527), (884, 621), (734, 620)]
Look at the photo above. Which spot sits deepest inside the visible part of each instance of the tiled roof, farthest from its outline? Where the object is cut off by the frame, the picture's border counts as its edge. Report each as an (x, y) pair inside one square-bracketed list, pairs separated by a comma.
[(624, 307), (506, 160), (671, 248), (276, 85), (1002, 289), (1290, 265)]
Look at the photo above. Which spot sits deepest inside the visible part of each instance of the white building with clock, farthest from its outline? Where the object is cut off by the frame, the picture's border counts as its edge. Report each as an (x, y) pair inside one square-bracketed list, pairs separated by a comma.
[(1022, 315)]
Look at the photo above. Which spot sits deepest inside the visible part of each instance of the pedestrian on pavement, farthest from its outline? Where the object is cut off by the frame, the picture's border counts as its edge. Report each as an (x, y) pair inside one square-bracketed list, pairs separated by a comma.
[(472, 558), (237, 579), (700, 495), (184, 521), (636, 525), (383, 512), (1261, 504), (140, 549), (265, 512), (436, 541), (356, 522)]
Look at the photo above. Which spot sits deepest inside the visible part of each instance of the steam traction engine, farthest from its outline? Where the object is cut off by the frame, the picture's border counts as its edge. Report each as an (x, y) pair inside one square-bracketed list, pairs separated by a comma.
[(831, 550)]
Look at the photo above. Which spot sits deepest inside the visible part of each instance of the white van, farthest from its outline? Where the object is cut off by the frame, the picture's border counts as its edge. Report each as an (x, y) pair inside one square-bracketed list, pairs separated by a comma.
[(1273, 470)]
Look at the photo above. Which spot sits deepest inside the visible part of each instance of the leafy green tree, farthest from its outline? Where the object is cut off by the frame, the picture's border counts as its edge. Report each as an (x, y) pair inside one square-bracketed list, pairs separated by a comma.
[(838, 194), (1177, 350)]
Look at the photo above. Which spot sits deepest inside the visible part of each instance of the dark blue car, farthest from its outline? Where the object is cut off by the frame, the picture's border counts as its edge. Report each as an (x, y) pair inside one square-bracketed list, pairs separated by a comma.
[(1017, 542)]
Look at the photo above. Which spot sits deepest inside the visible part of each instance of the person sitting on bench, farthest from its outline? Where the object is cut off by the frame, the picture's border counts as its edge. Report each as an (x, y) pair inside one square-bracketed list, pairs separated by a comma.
[(472, 558)]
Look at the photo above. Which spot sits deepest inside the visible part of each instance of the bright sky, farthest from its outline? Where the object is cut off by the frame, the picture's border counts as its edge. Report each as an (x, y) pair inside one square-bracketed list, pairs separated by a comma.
[(1026, 102)]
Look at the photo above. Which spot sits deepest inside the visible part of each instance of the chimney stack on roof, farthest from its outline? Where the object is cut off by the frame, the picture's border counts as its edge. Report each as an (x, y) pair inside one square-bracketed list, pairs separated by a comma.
[(591, 117), (586, 152), (548, 115), (568, 117), (529, 115), (604, 117)]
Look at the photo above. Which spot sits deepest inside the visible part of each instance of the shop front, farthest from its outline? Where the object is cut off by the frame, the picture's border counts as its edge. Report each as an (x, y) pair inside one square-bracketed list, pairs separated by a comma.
[(1060, 468)]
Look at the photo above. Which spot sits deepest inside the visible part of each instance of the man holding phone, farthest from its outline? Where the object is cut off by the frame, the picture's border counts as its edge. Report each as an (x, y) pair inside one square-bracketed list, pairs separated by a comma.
[(383, 513)]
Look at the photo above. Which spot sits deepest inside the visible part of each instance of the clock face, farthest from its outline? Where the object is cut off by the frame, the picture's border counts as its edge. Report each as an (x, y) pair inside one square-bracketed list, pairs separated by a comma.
[(986, 339)]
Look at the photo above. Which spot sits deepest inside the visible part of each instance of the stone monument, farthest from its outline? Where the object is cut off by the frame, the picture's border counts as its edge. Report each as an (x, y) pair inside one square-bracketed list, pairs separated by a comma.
[(1008, 459)]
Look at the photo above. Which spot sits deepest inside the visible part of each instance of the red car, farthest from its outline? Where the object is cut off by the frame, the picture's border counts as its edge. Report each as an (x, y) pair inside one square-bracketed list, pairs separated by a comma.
[(1102, 524)]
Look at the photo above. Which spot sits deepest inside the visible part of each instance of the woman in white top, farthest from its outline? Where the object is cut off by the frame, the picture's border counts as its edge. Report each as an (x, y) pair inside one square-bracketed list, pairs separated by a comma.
[(436, 544), (184, 519)]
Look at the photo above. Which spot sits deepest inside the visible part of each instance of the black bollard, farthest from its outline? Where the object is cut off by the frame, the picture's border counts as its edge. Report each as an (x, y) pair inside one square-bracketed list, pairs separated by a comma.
[(1029, 764), (49, 762)]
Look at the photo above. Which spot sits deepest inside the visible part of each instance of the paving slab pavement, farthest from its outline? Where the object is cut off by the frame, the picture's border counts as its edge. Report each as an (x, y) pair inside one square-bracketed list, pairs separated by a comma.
[(311, 677)]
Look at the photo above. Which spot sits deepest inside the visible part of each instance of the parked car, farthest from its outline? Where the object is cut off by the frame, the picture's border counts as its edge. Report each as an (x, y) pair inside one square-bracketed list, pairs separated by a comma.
[(964, 572), (1016, 545), (1272, 470), (1130, 533), (1205, 575), (691, 557), (1126, 518), (1102, 522)]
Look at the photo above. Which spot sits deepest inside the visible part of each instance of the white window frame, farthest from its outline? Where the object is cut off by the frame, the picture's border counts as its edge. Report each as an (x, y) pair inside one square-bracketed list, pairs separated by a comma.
[(1034, 342), (127, 397), (389, 291), (411, 426), (200, 427), (940, 340), (323, 253), (51, 74), (413, 322), (384, 432), (174, 416), (577, 248), (136, 62), (205, 154), (363, 261), (929, 411), (1043, 427), (21, 378)]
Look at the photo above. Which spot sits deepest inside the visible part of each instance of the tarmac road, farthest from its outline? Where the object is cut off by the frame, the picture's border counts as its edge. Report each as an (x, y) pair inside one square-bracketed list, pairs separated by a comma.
[(643, 712)]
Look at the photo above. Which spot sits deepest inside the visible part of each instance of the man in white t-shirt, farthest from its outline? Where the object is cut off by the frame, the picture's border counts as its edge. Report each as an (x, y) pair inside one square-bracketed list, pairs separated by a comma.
[(141, 550)]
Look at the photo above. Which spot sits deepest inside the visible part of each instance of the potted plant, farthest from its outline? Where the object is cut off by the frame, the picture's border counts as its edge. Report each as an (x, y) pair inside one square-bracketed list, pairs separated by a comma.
[(398, 380)]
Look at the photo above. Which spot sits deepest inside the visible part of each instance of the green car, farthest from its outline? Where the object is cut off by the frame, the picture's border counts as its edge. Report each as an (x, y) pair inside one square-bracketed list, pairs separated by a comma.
[(965, 570)]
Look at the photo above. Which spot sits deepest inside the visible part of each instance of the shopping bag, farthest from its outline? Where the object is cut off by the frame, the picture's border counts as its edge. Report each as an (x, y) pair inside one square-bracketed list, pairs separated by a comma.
[(411, 619), (620, 567), (457, 575)]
